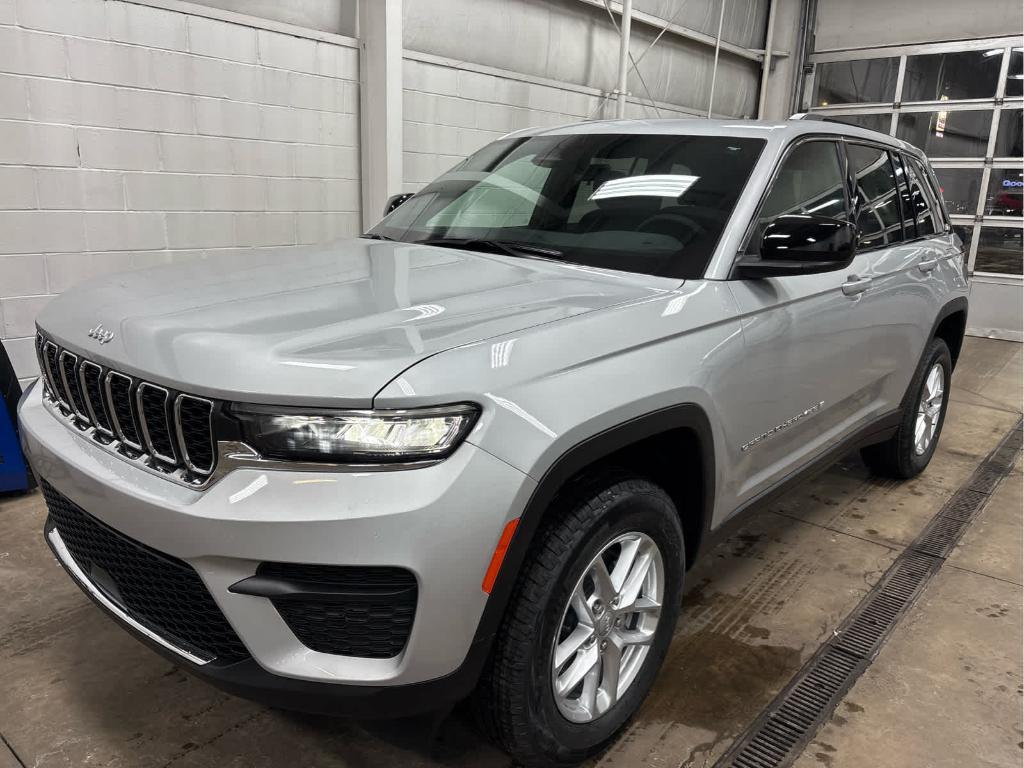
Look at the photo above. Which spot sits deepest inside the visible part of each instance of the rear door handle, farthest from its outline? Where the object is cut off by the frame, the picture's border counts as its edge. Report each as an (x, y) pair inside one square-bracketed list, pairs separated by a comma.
[(854, 285), (927, 265)]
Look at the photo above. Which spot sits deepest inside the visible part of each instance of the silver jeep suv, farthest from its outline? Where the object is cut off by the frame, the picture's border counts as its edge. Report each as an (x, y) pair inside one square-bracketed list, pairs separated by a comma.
[(477, 449)]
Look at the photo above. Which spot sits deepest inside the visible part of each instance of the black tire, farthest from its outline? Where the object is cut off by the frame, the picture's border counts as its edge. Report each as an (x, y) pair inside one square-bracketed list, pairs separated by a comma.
[(897, 456), (515, 698)]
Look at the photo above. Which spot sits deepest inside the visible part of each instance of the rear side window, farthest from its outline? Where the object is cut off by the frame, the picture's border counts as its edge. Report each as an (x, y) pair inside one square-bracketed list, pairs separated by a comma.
[(809, 181), (876, 204), (927, 183), (922, 208)]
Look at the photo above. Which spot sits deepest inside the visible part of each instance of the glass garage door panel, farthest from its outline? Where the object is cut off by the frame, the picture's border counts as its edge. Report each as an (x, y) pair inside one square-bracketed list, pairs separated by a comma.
[(1011, 131), (1005, 192), (878, 123), (1015, 74), (999, 250), (960, 189), (857, 82), (947, 133), (952, 76)]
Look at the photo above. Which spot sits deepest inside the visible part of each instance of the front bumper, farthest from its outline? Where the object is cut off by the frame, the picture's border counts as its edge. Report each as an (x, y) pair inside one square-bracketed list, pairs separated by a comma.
[(439, 522)]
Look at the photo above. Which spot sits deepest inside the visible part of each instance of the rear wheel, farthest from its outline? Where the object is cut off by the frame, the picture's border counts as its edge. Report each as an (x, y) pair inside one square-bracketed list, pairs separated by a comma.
[(908, 451), (588, 625)]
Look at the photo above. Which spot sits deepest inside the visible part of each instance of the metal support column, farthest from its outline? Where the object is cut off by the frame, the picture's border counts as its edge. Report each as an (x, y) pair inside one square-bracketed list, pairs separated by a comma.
[(624, 30), (718, 46), (380, 104), (766, 65)]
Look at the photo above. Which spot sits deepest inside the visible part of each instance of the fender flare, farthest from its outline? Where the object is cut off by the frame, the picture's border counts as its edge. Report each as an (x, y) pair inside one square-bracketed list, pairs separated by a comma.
[(570, 463), (959, 304)]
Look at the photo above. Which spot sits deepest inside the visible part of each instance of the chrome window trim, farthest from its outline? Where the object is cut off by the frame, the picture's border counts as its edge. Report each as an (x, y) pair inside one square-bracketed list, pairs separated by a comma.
[(182, 446), (147, 439), (83, 417), (118, 430), (66, 560), (88, 400)]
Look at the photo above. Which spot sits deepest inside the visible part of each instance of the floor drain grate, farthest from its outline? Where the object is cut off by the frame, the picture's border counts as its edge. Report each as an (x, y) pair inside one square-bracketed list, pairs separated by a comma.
[(781, 732)]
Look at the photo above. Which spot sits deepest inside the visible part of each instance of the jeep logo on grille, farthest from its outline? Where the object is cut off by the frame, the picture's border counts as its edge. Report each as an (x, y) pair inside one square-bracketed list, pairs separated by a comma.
[(101, 334)]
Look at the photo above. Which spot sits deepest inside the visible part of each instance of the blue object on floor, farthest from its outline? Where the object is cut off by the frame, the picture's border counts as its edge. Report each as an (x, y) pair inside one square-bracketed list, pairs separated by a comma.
[(14, 474)]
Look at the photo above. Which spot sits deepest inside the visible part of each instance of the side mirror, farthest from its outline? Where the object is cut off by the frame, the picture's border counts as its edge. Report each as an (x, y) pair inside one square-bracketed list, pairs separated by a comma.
[(801, 244), (396, 200)]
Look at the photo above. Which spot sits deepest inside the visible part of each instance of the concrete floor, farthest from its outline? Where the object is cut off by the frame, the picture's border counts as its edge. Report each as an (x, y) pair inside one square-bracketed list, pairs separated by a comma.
[(945, 690)]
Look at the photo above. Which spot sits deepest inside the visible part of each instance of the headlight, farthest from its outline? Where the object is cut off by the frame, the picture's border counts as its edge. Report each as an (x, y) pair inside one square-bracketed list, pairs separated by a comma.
[(309, 434)]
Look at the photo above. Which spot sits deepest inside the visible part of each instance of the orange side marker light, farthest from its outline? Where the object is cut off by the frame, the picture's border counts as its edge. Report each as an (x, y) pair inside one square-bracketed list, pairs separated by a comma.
[(499, 555)]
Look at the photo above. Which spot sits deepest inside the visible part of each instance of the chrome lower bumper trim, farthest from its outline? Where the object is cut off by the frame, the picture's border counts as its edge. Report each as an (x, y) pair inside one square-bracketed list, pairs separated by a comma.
[(97, 594)]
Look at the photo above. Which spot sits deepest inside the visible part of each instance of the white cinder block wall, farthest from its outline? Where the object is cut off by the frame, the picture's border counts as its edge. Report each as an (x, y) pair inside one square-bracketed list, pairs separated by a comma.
[(132, 136), (451, 109)]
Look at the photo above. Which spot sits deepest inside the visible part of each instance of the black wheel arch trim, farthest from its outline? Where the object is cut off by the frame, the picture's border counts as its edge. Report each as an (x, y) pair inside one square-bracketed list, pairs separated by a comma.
[(573, 461), (958, 304)]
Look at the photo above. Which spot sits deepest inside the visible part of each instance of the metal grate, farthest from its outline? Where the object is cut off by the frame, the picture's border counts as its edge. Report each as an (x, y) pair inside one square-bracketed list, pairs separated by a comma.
[(168, 431), (781, 732), (193, 416), (90, 376), (152, 404), (157, 590)]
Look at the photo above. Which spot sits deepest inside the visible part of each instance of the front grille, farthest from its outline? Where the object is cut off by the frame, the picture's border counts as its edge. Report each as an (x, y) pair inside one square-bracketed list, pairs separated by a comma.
[(159, 591), (170, 431), (369, 615)]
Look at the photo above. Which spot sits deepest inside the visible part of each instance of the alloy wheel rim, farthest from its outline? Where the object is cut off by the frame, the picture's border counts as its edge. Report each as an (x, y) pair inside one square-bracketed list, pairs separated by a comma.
[(929, 410), (607, 627)]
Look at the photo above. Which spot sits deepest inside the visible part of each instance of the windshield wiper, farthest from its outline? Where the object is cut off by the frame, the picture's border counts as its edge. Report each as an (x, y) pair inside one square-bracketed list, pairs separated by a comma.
[(502, 246), (375, 236)]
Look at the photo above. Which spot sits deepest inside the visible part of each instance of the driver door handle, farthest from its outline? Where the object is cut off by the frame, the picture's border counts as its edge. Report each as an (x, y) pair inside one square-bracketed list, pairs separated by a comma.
[(856, 285), (927, 265)]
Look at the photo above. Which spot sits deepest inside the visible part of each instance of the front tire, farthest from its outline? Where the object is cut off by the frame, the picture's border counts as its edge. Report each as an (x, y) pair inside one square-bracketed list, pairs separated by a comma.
[(908, 451), (589, 623)]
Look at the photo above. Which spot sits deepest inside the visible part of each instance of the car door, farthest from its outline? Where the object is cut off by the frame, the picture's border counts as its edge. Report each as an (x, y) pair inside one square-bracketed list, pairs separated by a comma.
[(805, 381), (900, 233)]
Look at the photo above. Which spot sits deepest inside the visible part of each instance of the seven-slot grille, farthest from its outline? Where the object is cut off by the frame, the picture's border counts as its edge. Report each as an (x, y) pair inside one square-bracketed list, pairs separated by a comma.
[(170, 431)]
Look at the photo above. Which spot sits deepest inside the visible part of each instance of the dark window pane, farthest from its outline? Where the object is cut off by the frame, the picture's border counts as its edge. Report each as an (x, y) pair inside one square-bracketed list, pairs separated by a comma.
[(948, 133), (1005, 192), (1008, 139), (878, 212), (1015, 75), (856, 82), (999, 250), (906, 205), (960, 188), (951, 76), (927, 212), (878, 122), (810, 180)]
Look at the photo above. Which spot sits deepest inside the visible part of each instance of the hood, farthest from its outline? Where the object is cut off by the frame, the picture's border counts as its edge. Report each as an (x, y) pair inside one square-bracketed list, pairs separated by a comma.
[(328, 325)]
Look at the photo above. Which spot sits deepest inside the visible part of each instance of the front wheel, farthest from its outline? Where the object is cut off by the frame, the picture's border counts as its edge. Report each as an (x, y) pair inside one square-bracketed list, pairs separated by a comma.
[(588, 625), (908, 452)]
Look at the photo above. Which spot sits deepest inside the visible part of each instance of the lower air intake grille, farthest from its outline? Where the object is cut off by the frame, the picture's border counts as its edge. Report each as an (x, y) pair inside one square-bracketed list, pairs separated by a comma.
[(159, 591), (370, 615)]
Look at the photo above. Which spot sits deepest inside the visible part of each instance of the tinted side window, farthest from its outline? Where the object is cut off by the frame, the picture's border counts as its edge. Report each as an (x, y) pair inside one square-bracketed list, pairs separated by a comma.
[(931, 192), (925, 210), (876, 206), (906, 204), (810, 180)]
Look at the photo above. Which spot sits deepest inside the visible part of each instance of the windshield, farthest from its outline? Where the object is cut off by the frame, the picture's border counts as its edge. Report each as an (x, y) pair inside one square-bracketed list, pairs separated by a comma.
[(654, 204)]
